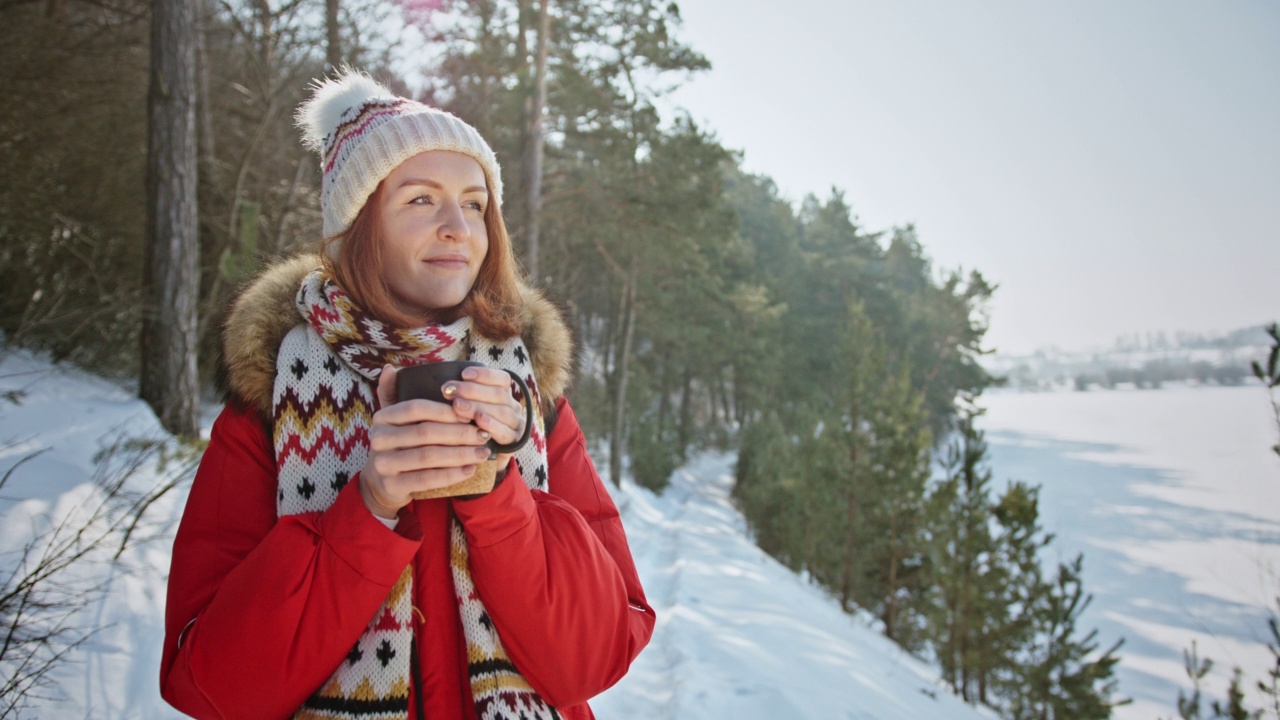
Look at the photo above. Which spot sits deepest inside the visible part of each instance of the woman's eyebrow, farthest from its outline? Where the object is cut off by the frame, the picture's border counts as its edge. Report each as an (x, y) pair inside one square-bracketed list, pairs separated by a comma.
[(428, 182)]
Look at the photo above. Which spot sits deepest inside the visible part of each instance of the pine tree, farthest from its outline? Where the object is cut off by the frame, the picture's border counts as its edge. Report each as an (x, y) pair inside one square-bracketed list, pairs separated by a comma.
[(1269, 374), (1060, 675), (1233, 708), (1004, 635), (1189, 706), (969, 587), (1270, 687), (888, 430)]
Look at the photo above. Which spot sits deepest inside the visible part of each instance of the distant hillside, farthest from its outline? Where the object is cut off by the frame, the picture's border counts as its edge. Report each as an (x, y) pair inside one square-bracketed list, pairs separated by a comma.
[(1143, 362)]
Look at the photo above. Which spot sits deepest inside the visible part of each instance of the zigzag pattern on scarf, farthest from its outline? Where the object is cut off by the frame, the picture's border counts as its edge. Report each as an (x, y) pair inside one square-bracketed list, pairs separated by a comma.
[(323, 421)]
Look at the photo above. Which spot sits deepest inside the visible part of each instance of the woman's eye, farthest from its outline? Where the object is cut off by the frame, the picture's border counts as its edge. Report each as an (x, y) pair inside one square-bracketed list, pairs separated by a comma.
[(476, 205), (421, 200)]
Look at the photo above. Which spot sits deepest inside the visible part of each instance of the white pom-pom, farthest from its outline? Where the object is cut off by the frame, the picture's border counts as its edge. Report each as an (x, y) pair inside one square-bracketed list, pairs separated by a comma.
[(319, 116)]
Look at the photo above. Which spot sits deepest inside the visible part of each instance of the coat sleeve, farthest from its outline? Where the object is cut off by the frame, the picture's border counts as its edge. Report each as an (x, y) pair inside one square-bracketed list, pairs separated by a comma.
[(253, 625), (556, 574)]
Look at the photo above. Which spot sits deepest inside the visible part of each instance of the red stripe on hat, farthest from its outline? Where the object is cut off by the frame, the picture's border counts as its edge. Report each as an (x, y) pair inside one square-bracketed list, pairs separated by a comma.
[(342, 137)]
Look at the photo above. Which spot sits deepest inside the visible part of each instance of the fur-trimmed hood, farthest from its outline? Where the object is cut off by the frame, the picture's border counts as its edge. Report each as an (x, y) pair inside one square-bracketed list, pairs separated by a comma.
[(265, 312)]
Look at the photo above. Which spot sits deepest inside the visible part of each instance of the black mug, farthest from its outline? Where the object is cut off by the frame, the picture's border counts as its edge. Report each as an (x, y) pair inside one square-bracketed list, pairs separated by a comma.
[(424, 382)]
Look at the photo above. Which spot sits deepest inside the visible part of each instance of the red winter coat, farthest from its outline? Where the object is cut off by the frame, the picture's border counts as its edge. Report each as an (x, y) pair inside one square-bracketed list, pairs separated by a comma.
[(261, 609)]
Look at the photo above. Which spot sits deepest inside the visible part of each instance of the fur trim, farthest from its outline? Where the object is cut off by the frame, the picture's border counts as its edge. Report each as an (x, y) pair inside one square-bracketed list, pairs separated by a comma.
[(259, 319), (331, 99), (549, 341), (265, 312)]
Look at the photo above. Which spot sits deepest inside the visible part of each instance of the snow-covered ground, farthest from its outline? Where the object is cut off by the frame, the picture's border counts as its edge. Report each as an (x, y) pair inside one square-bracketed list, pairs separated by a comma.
[(55, 424), (1173, 496), (738, 635)]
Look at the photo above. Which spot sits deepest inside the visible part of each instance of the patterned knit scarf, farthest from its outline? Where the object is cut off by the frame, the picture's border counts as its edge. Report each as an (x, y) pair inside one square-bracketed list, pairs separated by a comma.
[(323, 404)]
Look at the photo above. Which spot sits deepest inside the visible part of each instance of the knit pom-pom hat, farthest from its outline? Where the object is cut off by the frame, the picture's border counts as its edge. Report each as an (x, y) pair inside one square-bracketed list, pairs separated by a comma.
[(363, 132)]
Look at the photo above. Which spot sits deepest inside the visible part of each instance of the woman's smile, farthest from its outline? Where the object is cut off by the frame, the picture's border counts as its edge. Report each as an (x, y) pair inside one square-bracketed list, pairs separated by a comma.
[(448, 261)]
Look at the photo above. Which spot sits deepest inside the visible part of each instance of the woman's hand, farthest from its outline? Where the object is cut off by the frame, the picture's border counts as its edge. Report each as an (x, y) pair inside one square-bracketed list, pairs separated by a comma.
[(420, 445), (484, 397)]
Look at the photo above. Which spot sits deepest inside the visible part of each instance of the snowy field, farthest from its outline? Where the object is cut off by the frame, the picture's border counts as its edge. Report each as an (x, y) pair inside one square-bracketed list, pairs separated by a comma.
[(738, 635), (1173, 496)]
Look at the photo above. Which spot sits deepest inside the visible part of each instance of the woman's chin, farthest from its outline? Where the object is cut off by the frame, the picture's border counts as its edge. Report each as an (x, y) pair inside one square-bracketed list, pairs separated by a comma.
[(443, 308)]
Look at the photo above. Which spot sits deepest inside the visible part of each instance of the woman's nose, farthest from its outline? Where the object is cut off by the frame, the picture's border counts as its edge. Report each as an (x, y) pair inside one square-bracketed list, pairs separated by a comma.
[(453, 225)]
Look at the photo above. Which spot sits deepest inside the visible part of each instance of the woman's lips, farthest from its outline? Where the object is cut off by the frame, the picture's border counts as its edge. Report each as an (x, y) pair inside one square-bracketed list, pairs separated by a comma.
[(448, 262)]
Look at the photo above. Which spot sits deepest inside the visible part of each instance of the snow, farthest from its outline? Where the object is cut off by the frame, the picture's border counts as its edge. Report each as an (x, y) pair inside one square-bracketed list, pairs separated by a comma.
[(76, 419), (1172, 495)]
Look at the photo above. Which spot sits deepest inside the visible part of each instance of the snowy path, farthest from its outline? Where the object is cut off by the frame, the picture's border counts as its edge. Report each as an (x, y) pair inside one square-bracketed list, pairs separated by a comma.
[(741, 636)]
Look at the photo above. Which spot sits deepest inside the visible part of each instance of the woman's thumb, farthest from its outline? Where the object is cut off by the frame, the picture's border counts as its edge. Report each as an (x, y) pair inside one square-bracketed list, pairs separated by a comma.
[(387, 386)]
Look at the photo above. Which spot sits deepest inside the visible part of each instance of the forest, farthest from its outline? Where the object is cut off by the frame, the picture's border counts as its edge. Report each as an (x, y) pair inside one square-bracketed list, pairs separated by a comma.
[(709, 310)]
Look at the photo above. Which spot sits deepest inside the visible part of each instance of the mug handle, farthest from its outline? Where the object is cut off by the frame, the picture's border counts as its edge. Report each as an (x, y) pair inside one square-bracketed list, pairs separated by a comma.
[(511, 447)]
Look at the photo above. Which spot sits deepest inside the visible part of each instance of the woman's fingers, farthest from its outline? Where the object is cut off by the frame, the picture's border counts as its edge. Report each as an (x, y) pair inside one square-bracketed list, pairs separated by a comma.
[(390, 479), (503, 423), (409, 461), (482, 385), (484, 397), (386, 436), (384, 496), (434, 479), (417, 411)]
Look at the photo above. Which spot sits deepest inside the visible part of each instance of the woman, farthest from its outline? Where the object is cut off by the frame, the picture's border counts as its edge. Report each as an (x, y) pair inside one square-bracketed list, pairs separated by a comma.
[(307, 580)]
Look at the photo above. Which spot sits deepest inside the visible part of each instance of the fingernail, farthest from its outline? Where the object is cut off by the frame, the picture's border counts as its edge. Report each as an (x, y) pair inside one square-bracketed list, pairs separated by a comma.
[(449, 390), (469, 470), (469, 374), (484, 435), (482, 453), (463, 405)]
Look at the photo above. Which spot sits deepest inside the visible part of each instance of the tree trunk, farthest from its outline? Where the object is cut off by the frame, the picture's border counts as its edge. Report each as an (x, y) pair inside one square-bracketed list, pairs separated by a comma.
[(533, 151), (168, 376), (686, 409), (851, 518), (664, 397), (891, 593), (962, 634), (847, 548), (333, 47), (617, 439), (204, 106), (207, 171)]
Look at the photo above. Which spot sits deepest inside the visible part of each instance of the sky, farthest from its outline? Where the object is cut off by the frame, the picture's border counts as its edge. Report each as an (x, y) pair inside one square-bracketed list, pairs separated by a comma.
[(1113, 166)]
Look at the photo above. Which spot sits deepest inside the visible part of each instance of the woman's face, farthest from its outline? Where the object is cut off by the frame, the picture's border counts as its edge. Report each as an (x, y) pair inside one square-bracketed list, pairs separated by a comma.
[(432, 215)]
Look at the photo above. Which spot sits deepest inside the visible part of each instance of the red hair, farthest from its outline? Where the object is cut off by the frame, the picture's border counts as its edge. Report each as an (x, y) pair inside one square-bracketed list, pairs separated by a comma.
[(354, 258)]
